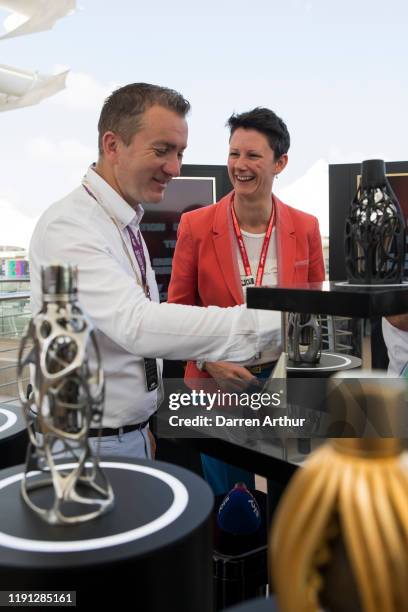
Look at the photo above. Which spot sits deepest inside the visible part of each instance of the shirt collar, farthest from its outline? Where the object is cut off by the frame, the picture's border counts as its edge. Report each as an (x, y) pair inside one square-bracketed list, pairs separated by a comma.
[(113, 203)]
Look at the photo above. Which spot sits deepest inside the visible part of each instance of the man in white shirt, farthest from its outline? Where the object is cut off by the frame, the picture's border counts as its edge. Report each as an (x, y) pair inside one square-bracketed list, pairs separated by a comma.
[(142, 137)]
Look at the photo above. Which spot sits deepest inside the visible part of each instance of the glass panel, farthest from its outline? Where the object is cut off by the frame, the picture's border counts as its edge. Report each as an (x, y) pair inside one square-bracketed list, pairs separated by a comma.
[(15, 314)]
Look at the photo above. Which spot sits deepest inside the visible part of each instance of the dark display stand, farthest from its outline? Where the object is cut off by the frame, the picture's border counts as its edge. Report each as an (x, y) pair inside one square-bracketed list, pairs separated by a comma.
[(332, 298), (13, 436), (329, 364), (336, 298), (151, 552)]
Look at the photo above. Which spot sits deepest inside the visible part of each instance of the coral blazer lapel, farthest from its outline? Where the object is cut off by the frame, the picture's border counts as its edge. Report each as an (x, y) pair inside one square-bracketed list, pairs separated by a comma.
[(286, 243), (225, 248)]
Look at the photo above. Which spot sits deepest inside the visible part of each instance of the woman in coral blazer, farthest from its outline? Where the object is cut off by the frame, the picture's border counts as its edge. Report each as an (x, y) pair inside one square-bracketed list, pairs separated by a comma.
[(208, 267), (205, 268)]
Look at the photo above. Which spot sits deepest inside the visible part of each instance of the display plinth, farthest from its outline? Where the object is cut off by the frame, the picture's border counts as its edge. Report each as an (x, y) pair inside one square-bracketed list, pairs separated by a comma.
[(13, 436), (152, 550), (332, 298), (339, 299)]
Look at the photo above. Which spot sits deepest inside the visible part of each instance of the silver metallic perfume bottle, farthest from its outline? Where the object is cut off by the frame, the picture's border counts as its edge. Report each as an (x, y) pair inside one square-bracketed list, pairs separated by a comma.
[(67, 395)]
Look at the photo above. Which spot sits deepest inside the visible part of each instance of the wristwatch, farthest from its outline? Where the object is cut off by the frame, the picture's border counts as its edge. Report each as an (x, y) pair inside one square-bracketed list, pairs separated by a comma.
[(200, 365)]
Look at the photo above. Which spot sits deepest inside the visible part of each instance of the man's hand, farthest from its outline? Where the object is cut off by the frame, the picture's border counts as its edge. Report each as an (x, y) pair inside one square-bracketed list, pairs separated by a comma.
[(400, 321), (230, 376)]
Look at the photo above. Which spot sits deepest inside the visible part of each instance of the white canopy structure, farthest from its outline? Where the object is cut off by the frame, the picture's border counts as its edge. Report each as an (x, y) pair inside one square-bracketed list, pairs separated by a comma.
[(29, 16), (19, 88)]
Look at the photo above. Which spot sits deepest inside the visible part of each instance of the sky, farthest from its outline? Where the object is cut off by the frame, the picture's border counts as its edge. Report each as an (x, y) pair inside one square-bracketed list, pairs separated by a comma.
[(336, 72)]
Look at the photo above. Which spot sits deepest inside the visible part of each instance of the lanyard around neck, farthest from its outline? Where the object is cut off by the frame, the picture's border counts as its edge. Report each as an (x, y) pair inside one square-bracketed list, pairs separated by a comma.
[(243, 251), (137, 250)]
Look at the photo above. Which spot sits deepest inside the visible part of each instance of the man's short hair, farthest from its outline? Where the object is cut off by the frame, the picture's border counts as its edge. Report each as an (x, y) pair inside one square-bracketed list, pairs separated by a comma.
[(268, 123), (123, 109)]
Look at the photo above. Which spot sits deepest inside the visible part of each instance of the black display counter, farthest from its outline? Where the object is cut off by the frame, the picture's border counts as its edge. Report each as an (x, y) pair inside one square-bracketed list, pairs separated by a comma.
[(332, 298), (340, 299), (13, 436), (151, 552)]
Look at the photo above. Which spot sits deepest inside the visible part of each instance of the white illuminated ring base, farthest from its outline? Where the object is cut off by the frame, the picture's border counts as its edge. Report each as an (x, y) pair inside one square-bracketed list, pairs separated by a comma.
[(177, 507), (344, 363), (384, 285), (11, 419)]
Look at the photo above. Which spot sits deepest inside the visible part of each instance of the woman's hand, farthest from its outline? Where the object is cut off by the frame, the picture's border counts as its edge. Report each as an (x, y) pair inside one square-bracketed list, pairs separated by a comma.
[(230, 376)]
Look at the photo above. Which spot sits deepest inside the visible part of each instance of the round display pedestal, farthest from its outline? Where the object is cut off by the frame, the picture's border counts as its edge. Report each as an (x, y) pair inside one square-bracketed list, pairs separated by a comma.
[(329, 364), (13, 436), (151, 552), (315, 397)]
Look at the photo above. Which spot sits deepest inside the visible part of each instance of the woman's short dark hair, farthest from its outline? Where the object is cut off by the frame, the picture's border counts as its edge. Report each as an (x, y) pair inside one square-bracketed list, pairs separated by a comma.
[(123, 109), (268, 123)]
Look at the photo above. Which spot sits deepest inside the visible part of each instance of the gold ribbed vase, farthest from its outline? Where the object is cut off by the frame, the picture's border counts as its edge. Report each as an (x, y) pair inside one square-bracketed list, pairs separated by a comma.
[(340, 535)]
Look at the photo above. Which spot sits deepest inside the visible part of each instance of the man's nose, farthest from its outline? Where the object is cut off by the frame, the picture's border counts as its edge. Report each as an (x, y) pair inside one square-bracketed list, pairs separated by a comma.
[(172, 167)]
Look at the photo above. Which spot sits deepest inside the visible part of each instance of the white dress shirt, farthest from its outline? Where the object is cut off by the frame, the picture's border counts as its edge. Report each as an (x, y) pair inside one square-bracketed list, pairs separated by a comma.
[(397, 346), (78, 230)]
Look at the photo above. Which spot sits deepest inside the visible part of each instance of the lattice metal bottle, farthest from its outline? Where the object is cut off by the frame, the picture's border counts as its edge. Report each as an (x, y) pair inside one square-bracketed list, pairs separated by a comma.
[(304, 338), (374, 230), (60, 349)]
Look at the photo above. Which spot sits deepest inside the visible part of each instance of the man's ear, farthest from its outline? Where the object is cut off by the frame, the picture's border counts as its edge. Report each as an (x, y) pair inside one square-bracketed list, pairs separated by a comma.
[(110, 145)]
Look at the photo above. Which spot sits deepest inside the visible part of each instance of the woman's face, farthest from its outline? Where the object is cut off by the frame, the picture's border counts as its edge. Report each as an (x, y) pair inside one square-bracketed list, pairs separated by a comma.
[(251, 163)]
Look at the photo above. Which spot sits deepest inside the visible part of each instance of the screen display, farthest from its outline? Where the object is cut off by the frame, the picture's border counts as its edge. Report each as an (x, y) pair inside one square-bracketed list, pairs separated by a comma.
[(399, 184), (160, 222)]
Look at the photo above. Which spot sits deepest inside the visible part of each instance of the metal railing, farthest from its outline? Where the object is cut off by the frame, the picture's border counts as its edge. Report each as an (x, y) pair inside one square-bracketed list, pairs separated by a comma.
[(15, 314)]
